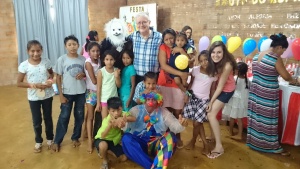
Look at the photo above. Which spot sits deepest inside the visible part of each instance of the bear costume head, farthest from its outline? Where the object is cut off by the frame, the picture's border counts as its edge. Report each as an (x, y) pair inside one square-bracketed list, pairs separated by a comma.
[(116, 39)]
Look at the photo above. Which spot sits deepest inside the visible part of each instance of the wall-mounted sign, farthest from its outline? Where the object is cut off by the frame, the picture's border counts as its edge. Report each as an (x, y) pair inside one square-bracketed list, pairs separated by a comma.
[(128, 13)]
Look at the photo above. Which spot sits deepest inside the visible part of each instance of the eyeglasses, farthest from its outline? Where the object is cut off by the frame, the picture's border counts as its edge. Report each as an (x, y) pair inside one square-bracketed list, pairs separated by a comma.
[(142, 23)]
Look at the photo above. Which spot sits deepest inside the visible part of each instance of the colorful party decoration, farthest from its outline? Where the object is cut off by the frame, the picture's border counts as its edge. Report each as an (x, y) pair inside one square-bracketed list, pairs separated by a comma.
[(265, 45), (224, 39), (216, 38), (288, 52), (296, 49), (203, 43), (246, 40), (260, 41), (249, 46), (234, 43)]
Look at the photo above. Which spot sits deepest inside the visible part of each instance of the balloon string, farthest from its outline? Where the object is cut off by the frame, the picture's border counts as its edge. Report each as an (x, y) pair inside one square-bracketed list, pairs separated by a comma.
[(285, 61)]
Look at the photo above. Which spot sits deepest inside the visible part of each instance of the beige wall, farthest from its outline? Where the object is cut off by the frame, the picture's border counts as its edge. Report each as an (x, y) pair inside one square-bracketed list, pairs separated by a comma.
[(251, 19), (100, 12), (8, 44), (206, 17)]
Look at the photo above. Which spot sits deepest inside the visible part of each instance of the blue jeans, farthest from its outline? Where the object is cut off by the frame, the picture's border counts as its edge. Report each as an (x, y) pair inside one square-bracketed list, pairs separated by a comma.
[(64, 117), (35, 107)]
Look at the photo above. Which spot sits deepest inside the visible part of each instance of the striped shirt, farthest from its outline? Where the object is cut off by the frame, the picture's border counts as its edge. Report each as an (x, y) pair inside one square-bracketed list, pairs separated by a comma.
[(146, 52)]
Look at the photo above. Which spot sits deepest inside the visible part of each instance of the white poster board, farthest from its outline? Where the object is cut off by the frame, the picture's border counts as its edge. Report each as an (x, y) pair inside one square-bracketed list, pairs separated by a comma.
[(128, 13)]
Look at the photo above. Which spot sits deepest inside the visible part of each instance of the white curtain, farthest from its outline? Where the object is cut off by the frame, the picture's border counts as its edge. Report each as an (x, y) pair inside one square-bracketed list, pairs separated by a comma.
[(34, 21)]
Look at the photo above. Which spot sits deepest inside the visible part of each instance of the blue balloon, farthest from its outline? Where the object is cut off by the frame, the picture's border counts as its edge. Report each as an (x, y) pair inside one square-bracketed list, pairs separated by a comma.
[(260, 42), (249, 46), (224, 39)]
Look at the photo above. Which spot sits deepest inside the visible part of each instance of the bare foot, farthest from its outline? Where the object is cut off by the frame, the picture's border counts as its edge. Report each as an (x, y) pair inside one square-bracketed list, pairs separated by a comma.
[(111, 153), (180, 144), (90, 147), (55, 147), (122, 158), (236, 137), (210, 139), (205, 151), (190, 145), (76, 143)]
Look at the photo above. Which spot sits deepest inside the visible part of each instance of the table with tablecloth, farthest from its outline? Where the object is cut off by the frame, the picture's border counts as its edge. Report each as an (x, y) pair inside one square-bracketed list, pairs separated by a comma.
[(289, 118)]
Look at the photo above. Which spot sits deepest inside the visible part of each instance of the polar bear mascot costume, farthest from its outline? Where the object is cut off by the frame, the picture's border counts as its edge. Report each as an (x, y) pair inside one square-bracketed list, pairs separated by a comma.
[(116, 39)]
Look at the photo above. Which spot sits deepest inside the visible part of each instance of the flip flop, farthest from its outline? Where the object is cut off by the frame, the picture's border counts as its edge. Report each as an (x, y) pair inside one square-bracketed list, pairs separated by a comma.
[(216, 154), (283, 153), (104, 166)]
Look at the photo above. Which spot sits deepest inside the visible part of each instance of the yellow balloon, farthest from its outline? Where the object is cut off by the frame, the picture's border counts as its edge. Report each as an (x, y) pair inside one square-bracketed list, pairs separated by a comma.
[(216, 38), (234, 43), (181, 62)]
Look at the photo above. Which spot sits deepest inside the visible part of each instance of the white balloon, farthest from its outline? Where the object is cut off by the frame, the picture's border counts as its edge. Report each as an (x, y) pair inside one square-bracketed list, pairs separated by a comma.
[(265, 45)]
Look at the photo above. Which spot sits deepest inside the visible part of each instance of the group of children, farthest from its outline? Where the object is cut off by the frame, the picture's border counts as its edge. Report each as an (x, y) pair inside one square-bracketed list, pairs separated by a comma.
[(112, 91)]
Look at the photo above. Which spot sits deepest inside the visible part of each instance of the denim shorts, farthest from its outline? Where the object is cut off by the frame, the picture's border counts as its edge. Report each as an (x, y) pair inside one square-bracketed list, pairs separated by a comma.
[(225, 96)]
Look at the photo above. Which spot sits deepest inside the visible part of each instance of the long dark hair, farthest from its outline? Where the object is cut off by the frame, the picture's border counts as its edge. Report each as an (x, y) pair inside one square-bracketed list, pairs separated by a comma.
[(242, 71), (89, 38), (217, 68), (185, 28), (129, 53)]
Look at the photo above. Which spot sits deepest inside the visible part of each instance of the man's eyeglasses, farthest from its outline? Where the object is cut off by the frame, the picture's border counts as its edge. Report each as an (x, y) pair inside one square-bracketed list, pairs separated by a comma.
[(142, 23)]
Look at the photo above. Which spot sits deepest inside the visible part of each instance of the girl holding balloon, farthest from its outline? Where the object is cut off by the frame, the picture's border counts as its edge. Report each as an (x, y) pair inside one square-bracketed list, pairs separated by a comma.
[(221, 64)]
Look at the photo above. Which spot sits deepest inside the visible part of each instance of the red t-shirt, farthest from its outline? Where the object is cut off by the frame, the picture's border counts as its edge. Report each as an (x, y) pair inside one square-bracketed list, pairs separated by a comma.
[(164, 78)]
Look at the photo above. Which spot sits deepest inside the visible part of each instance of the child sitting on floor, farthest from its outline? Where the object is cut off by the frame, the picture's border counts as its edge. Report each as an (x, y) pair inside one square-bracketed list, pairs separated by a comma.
[(109, 135)]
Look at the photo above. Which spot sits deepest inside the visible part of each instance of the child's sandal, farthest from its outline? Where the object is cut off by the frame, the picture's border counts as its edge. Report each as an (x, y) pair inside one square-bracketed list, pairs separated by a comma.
[(104, 166), (38, 148)]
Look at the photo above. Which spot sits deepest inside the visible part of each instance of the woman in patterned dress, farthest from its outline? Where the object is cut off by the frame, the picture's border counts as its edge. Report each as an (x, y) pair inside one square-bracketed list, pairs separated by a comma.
[(263, 104)]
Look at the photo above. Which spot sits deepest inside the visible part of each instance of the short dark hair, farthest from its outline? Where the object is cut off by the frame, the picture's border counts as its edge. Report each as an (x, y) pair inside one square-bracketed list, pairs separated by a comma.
[(70, 37), (279, 40), (203, 52), (111, 52), (182, 34), (150, 75), (32, 43), (168, 31), (114, 103)]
